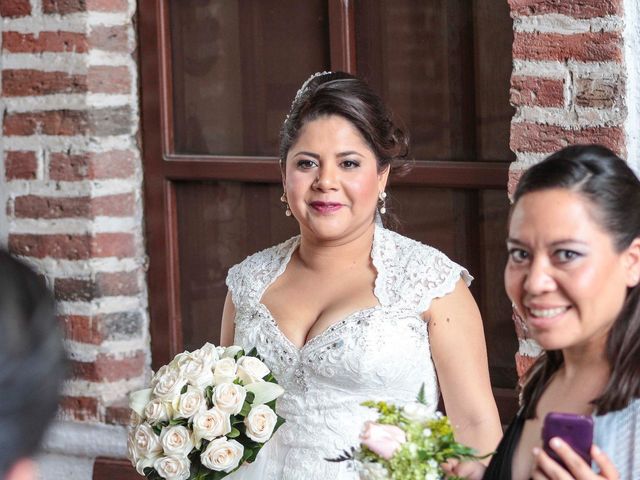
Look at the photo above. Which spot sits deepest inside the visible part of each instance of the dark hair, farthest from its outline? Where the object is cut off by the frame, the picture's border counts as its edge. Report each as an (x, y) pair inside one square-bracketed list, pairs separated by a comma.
[(32, 361), (613, 190), (339, 93)]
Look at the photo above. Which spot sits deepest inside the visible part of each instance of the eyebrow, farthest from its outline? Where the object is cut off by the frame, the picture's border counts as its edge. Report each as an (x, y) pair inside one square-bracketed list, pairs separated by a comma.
[(553, 244), (316, 156)]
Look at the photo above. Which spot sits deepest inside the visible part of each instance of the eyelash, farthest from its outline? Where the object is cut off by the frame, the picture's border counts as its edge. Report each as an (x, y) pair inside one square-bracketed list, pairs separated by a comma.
[(514, 251), (306, 164)]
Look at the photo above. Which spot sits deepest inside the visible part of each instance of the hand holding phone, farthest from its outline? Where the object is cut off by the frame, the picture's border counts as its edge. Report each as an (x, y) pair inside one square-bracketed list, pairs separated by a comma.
[(575, 430)]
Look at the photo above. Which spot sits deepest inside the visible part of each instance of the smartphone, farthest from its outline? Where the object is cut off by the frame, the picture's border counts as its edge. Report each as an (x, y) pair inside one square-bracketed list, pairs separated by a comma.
[(576, 430)]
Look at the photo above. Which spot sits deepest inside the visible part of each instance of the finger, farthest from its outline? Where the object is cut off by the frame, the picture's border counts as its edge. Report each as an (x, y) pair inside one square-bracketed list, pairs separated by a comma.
[(574, 462), (548, 467), (606, 466)]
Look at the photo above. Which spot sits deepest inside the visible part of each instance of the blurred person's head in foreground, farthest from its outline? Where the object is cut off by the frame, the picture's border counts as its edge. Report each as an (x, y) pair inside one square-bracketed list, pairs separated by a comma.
[(32, 366)]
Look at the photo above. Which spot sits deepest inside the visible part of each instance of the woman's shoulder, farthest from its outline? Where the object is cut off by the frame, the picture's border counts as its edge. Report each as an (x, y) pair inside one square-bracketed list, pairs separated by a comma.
[(262, 258)]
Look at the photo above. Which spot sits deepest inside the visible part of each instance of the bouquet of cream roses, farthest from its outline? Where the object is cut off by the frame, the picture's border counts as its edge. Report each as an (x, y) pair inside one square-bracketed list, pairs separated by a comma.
[(205, 414), (406, 443)]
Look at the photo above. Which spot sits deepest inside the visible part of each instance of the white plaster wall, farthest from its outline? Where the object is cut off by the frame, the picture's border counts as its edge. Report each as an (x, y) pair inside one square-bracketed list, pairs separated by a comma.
[(632, 61)]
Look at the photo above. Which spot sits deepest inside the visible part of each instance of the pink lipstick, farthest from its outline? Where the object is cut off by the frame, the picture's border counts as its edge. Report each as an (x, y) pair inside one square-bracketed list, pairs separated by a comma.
[(325, 207)]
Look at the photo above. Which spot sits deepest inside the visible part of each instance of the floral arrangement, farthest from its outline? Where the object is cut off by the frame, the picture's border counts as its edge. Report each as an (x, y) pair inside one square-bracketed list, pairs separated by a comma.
[(406, 443), (205, 414)]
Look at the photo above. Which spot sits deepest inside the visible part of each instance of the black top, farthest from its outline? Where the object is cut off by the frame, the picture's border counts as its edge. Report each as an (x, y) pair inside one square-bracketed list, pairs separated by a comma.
[(501, 462)]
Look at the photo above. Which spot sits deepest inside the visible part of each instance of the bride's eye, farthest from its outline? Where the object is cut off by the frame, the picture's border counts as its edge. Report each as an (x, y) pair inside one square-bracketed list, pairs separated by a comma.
[(518, 255), (349, 164), (305, 164)]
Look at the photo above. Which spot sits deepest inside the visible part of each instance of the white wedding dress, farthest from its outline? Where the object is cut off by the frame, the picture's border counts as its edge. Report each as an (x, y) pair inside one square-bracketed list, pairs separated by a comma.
[(380, 353)]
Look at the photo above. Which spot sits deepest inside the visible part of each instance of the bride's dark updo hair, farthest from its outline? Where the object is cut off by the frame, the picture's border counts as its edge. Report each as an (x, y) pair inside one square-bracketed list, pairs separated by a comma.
[(339, 93)]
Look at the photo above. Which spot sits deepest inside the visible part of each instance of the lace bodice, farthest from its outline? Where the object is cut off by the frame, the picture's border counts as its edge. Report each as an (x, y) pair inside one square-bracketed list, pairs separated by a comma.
[(379, 353)]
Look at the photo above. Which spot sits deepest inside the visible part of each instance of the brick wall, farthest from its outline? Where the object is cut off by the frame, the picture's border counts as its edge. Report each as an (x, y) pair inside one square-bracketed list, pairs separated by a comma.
[(71, 203), (569, 85)]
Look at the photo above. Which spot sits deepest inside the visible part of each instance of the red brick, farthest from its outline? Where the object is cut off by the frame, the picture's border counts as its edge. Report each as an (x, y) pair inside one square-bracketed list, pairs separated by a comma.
[(57, 122), (103, 79), (81, 328), (34, 206), (113, 39), (533, 137), (512, 183), (100, 122), (16, 42), (122, 205), (107, 5), (21, 165), (120, 245), (79, 408), (63, 7), (523, 363), (115, 164), (15, 8), (598, 93), (118, 283), (71, 247), (74, 289), (584, 47), (106, 368), (118, 413), (580, 9), (20, 83), (530, 91)]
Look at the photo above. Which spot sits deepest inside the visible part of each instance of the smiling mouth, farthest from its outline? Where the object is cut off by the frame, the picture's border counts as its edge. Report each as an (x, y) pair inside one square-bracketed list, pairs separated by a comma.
[(325, 207)]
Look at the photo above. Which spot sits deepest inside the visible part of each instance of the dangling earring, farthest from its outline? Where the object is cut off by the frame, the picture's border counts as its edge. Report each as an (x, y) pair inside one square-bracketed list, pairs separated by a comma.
[(287, 210), (382, 199)]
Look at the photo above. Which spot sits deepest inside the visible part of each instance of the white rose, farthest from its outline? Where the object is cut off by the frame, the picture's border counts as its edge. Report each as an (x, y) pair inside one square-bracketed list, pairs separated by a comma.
[(222, 455), (417, 412), (139, 463), (230, 351), (211, 424), (157, 411), (260, 423), (176, 440), (225, 371), (161, 371), (196, 371), (229, 397), (189, 403), (169, 385), (251, 369), (173, 467), (372, 471), (209, 354), (145, 441)]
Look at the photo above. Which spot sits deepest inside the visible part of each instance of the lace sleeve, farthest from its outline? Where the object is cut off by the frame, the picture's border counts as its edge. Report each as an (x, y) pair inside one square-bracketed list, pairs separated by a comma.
[(439, 278), (234, 284)]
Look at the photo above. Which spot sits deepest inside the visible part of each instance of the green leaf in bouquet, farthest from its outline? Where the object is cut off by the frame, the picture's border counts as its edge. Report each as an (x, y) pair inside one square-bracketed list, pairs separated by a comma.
[(178, 421), (253, 353), (233, 433), (421, 396), (184, 390), (250, 397), (248, 453), (264, 392), (157, 428), (246, 408), (152, 474)]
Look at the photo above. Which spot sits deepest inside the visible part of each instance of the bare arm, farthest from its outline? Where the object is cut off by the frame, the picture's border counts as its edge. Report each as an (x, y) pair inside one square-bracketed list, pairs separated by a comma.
[(227, 329), (460, 357)]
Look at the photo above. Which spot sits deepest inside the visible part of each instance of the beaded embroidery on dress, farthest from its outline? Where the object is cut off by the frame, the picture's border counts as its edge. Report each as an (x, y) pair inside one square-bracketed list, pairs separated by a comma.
[(379, 353)]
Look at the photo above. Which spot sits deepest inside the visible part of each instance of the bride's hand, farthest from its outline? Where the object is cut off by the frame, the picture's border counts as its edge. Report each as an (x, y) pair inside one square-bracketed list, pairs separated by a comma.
[(468, 470), (546, 468)]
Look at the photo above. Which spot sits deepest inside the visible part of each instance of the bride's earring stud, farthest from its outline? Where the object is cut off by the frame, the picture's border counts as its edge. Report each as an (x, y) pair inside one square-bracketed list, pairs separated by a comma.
[(382, 198), (287, 210)]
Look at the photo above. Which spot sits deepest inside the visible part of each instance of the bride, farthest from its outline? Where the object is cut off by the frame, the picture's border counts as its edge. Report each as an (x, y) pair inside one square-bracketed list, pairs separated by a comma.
[(349, 311)]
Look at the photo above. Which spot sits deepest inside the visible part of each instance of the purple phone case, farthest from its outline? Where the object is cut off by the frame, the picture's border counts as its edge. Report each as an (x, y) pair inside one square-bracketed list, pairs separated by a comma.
[(576, 430)]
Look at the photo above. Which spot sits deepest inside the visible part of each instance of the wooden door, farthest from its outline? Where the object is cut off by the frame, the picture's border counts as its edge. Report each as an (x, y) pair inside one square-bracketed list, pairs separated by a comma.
[(218, 77)]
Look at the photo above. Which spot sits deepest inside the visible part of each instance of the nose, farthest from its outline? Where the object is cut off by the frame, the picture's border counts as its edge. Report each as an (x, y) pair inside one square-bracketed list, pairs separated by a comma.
[(327, 178), (539, 278)]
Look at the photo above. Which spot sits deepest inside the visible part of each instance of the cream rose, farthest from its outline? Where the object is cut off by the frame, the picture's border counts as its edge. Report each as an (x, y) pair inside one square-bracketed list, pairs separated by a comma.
[(145, 441), (209, 354), (211, 424), (169, 385), (222, 455), (225, 371), (189, 403), (176, 440), (260, 423), (229, 397), (173, 467), (251, 369), (157, 411), (196, 371), (138, 462), (417, 412)]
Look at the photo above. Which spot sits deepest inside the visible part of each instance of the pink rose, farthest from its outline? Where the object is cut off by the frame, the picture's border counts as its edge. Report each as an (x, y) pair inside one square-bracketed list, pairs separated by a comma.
[(383, 440)]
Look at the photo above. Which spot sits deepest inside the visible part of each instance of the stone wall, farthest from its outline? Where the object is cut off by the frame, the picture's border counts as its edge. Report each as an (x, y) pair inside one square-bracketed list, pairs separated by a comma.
[(72, 205)]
